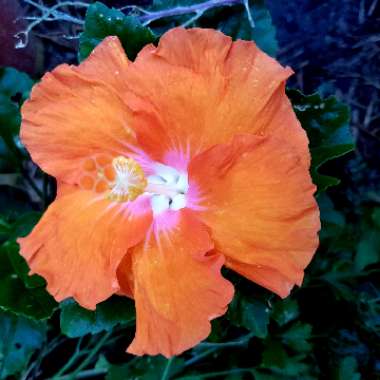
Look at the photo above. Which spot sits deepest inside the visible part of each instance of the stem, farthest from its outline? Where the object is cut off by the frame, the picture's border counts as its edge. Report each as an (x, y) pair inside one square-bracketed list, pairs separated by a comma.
[(249, 14), (77, 353), (54, 13), (146, 19), (90, 356), (165, 374), (46, 13), (200, 357), (212, 347), (241, 342), (43, 353)]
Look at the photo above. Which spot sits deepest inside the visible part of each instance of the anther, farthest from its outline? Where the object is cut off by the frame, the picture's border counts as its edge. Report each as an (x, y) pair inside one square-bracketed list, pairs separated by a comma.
[(130, 181)]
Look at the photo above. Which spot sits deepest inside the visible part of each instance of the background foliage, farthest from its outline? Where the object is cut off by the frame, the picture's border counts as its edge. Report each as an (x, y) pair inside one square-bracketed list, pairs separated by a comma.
[(328, 329)]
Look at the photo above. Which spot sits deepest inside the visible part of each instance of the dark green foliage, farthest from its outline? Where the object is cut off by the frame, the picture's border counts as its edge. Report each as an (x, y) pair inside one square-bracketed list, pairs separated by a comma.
[(77, 321), (102, 21), (285, 311), (236, 24), (19, 338), (297, 337), (326, 122), (347, 369), (14, 83), (251, 313), (19, 293), (14, 89)]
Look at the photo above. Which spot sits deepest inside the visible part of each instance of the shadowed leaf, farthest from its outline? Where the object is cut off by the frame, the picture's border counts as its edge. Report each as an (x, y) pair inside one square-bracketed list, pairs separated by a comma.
[(102, 21), (326, 122), (77, 321), (19, 338)]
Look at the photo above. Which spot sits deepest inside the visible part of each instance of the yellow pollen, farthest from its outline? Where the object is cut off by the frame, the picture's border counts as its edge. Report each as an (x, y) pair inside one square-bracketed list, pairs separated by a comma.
[(130, 181)]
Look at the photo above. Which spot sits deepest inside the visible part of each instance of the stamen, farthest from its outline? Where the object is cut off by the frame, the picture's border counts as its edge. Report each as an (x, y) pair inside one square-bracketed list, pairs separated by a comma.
[(130, 181), (122, 179)]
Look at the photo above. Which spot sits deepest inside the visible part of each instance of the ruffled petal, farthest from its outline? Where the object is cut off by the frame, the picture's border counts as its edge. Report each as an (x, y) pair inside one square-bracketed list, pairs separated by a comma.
[(266, 277), (198, 88), (80, 241), (76, 112), (106, 63), (178, 287), (257, 198)]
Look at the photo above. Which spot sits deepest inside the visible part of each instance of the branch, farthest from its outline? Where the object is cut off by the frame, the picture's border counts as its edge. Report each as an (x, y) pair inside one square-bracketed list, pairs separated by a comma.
[(55, 13), (149, 17), (48, 14), (249, 13)]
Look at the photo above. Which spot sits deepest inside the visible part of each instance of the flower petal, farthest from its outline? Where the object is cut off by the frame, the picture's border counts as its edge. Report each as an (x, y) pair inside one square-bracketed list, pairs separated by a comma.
[(106, 63), (258, 201), (75, 112), (265, 276), (198, 88), (178, 287), (80, 241)]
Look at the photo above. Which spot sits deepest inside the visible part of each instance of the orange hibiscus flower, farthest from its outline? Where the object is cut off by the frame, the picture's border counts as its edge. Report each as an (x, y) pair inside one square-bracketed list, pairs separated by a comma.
[(168, 168)]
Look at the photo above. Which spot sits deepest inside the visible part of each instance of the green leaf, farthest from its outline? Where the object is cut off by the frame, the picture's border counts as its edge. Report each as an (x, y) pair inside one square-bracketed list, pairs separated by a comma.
[(274, 355), (326, 122), (14, 82), (24, 225), (276, 359), (5, 228), (77, 321), (18, 294), (21, 268), (347, 370), (236, 24), (297, 336), (253, 314), (19, 338), (102, 21), (14, 89), (285, 311), (9, 232)]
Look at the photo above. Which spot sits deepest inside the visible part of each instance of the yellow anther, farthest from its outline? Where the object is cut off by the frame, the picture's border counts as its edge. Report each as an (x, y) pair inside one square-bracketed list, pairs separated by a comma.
[(130, 181)]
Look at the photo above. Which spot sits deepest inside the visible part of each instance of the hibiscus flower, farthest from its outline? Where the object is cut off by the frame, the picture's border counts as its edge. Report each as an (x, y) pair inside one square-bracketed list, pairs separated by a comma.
[(168, 168)]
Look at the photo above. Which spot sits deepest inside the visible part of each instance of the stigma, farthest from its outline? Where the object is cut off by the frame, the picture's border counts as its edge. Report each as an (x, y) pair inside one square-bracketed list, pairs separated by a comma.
[(168, 188)]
